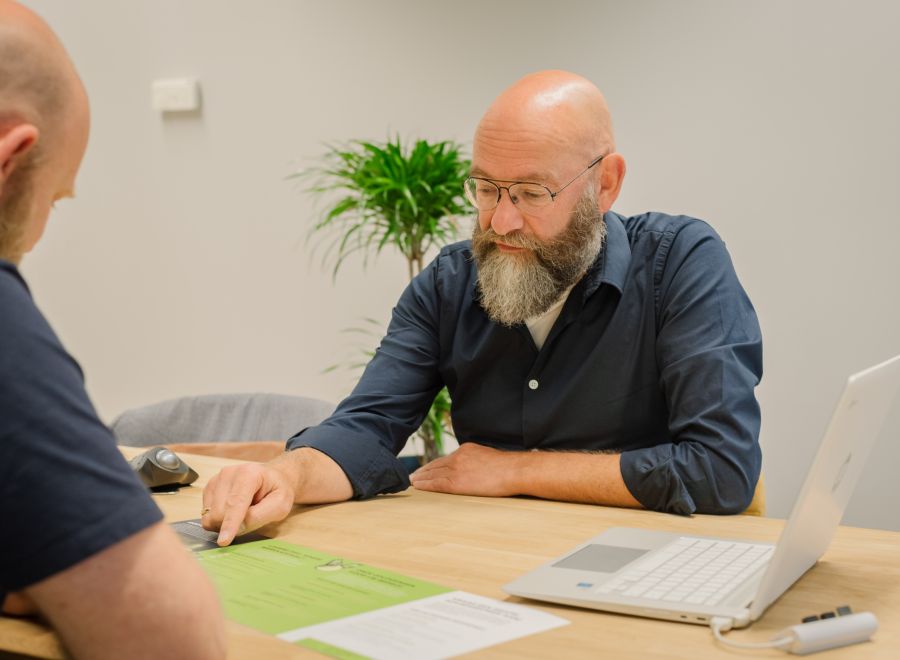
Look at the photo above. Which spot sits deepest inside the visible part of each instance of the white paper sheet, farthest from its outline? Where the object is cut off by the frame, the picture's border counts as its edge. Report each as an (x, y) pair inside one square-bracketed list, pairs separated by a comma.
[(436, 627)]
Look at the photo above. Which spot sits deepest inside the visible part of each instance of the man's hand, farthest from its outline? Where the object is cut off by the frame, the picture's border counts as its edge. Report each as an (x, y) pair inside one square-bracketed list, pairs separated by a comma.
[(472, 469), (245, 497), (567, 476), (242, 498)]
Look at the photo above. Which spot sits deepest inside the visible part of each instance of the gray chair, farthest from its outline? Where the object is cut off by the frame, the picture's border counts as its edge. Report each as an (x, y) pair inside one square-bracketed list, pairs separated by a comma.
[(220, 424)]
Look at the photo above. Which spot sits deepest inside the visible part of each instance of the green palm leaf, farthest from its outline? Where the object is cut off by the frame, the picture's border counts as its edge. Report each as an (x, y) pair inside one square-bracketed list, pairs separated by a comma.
[(391, 194)]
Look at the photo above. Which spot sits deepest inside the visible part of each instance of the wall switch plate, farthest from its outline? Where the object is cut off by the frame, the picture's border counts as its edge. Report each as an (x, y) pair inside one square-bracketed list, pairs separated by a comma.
[(176, 95)]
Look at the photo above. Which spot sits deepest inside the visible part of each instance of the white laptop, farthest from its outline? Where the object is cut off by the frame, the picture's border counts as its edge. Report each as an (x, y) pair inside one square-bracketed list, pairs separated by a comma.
[(691, 579)]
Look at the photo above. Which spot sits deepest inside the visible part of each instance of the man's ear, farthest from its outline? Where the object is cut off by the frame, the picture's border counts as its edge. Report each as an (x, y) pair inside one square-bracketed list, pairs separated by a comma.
[(612, 174), (15, 143)]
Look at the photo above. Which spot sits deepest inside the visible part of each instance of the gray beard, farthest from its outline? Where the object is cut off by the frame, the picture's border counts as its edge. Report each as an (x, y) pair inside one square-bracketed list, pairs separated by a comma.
[(516, 287), (15, 205)]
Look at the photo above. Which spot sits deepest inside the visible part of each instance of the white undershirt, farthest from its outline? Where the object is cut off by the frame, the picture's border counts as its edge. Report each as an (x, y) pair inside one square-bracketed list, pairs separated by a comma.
[(540, 326)]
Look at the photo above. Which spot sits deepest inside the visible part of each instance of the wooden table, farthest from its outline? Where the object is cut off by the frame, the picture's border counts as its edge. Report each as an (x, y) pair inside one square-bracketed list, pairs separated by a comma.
[(479, 544)]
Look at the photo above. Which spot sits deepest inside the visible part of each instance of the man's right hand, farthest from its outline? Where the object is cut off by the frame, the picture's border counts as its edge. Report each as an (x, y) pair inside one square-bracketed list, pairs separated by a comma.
[(242, 498)]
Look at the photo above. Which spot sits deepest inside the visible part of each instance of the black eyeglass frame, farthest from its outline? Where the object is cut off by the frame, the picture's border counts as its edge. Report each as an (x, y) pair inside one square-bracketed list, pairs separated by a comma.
[(500, 189)]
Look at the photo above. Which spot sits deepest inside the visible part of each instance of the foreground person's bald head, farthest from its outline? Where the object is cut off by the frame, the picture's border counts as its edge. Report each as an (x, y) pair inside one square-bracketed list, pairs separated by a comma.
[(44, 126), (37, 78)]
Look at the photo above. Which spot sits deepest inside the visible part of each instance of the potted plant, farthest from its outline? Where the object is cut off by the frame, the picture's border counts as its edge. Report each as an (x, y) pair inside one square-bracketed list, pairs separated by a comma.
[(389, 194)]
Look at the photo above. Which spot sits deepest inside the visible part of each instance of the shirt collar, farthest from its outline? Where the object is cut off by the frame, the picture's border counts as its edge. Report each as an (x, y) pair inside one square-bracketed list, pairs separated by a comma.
[(13, 270), (611, 264)]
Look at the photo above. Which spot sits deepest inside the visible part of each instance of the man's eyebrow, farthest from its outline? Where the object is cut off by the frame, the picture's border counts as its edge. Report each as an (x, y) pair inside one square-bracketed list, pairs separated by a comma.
[(530, 177)]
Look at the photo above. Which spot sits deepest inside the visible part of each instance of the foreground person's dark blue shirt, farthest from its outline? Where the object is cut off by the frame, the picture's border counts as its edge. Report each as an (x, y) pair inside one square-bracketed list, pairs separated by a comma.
[(66, 492), (655, 354)]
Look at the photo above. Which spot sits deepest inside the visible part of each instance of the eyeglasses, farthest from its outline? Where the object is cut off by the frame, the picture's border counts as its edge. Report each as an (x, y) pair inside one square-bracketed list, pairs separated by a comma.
[(484, 194)]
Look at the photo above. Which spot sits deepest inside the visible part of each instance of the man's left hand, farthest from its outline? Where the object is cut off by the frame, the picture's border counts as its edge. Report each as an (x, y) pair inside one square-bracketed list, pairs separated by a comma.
[(472, 469)]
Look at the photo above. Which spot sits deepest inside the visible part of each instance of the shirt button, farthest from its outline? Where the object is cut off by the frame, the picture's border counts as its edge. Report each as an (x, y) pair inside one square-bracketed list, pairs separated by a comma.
[(533, 384)]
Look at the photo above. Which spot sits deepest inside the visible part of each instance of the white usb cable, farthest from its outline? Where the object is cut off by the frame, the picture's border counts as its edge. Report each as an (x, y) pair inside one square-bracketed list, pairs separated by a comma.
[(809, 637), (720, 624)]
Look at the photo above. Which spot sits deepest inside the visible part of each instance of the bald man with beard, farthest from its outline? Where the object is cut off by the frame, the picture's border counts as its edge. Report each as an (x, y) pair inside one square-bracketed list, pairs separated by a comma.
[(83, 544), (590, 357)]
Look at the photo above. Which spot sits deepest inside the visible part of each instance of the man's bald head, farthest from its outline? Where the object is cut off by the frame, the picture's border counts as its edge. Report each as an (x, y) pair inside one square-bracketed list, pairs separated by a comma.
[(37, 77), (43, 126), (558, 108)]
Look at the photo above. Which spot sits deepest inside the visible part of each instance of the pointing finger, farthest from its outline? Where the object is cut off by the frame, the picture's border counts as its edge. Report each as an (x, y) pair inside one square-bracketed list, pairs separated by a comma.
[(237, 502)]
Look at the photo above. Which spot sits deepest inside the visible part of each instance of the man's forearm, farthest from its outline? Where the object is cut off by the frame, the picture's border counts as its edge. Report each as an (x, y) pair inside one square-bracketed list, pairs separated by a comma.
[(474, 469), (143, 597), (573, 477), (316, 477)]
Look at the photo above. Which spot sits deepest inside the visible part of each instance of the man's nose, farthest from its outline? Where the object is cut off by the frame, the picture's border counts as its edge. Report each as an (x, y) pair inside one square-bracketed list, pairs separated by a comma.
[(507, 217)]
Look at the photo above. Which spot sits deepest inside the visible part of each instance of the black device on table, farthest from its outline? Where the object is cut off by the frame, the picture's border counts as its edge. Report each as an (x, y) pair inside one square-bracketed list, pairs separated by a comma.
[(161, 469)]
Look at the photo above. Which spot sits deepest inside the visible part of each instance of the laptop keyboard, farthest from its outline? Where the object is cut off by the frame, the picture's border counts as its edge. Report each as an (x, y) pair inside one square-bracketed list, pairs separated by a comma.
[(691, 570)]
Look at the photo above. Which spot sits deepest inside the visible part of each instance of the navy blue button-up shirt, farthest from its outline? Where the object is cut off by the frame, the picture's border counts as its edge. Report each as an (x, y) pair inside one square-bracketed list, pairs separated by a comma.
[(655, 355)]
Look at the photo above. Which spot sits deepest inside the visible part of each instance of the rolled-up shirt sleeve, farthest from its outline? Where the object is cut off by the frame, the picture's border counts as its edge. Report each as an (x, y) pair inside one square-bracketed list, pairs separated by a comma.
[(389, 403), (709, 356)]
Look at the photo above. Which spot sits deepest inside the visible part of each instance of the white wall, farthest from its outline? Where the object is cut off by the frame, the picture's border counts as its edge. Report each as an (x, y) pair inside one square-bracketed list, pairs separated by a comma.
[(181, 268)]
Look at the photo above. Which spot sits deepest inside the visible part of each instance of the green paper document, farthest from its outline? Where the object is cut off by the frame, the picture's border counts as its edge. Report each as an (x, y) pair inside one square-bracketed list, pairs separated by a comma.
[(275, 586), (350, 610)]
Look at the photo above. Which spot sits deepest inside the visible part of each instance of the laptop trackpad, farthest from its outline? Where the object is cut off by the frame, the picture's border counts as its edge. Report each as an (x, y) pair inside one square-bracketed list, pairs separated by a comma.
[(600, 558)]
